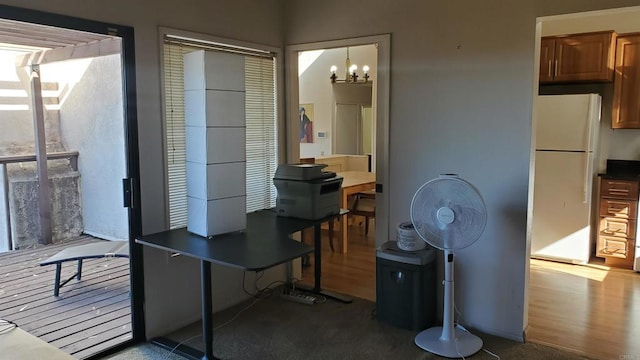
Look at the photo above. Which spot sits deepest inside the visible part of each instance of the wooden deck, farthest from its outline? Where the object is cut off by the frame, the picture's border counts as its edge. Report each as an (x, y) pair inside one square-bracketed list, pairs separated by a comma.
[(89, 316)]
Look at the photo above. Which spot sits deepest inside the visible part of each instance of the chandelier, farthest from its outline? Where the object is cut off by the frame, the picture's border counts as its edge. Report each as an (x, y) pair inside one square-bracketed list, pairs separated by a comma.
[(351, 75)]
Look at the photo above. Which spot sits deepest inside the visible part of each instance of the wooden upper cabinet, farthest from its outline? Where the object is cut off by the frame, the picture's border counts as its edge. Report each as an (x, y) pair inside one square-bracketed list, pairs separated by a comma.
[(547, 47), (626, 84), (577, 58)]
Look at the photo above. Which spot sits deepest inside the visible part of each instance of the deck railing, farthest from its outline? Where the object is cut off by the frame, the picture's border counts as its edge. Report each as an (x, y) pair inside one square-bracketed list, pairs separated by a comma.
[(10, 159)]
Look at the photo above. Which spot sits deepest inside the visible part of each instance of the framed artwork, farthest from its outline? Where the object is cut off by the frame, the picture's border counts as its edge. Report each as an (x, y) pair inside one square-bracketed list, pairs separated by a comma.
[(305, 113)]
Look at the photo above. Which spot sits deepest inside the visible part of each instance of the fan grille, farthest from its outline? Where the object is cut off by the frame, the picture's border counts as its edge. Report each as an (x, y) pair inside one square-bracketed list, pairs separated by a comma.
[(466, 203)]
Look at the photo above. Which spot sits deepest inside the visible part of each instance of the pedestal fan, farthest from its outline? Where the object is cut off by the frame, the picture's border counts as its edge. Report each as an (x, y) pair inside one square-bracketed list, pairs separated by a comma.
[(448, 213)]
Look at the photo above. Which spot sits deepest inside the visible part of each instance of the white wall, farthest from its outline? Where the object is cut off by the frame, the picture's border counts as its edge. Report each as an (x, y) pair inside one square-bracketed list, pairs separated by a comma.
[(315, 88), (462, 84), (170, 304), (92, 123)]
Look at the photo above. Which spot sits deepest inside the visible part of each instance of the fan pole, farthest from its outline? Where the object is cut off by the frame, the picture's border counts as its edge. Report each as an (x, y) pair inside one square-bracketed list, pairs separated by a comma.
[(448, 333), (448, 341)]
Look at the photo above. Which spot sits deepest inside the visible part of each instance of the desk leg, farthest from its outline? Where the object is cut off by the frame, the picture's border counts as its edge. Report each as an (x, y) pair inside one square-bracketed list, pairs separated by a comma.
[(317, 263), (207, 311), (207, 323)]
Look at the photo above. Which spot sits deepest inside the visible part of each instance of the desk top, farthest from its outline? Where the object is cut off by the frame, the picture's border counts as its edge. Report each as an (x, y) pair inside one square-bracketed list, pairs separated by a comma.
[(354, 178), (263, 244)]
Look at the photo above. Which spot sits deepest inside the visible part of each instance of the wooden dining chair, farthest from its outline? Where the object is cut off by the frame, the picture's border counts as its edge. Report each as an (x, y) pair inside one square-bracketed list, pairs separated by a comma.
[(364, 204)]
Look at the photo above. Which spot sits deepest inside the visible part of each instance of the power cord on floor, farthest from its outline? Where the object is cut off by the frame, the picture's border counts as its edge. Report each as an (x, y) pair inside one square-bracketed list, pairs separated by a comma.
[(490, 353), (255, 300), (483, 349), (236, 315), (6, 326), (265, 292), (184, 342)]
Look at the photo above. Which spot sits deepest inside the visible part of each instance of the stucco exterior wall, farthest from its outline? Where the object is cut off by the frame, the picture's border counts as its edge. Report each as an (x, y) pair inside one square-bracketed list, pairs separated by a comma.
[(92, 123)]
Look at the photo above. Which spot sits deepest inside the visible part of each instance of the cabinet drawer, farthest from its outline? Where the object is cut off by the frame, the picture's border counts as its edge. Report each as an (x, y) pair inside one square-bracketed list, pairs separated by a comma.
[(617, 227), (623, 209), (619, 189), (615, 247)]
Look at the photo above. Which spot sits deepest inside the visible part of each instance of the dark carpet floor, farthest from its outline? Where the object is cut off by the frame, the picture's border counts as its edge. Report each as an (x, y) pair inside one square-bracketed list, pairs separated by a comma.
[(274, 328)]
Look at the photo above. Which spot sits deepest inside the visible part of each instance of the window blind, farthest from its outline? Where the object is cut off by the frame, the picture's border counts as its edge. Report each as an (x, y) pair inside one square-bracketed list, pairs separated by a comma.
[(261, 131)]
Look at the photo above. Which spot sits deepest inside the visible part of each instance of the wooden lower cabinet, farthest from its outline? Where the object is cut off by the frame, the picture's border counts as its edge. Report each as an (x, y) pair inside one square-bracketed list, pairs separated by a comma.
[(618, 222)]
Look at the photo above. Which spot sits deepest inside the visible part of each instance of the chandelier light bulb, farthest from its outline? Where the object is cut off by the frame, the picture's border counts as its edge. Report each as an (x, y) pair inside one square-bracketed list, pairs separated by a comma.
[(333, 69), (365, 69)]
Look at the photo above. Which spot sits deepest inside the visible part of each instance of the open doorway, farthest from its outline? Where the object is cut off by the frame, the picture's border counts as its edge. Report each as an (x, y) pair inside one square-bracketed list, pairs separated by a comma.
[(67, 95), (345, 85), (598, 287)]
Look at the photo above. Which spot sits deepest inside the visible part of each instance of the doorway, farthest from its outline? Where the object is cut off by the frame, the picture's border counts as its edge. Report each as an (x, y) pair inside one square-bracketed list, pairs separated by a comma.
[(598, 287), (333, 113), (82, 120)]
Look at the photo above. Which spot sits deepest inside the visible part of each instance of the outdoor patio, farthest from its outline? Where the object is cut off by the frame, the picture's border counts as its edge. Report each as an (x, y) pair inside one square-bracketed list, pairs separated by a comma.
[(89, 315)]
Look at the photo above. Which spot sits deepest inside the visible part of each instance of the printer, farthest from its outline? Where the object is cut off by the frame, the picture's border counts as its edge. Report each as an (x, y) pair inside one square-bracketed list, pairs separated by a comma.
[(307, 192)]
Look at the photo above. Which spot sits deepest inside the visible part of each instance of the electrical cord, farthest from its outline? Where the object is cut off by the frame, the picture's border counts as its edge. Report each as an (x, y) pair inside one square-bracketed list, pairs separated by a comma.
[(6, 326), (490, 353), (260, 294), (184, 342), (457, 325)]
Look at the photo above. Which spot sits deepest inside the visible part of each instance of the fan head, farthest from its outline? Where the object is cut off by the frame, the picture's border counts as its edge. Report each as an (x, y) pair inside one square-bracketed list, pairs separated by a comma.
[(448, 213)]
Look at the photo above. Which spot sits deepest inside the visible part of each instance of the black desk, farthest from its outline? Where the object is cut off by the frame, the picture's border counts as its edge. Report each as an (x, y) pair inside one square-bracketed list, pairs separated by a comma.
[(263, 244)]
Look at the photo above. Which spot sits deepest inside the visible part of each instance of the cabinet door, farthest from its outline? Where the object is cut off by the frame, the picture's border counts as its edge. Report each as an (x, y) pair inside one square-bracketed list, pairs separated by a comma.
[(619, 189), (615, 248), (626, 85), (584, 57), (619, 208), (547, 48), (617, 227)]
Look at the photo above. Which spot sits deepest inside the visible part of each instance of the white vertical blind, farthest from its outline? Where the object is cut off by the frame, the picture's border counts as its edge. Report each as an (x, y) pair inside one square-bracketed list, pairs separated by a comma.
[(261, 137)]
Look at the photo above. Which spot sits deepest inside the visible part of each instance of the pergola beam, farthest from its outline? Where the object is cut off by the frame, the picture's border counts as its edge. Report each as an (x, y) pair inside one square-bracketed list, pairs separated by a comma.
[(83, 51)]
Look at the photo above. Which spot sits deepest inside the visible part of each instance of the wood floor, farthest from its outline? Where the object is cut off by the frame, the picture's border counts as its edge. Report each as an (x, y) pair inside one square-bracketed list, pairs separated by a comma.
[(89, 315), (593, 310), (353, 273)]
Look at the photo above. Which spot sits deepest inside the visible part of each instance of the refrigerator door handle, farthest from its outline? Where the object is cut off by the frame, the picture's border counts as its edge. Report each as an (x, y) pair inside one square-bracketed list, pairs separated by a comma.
[(587, 177)]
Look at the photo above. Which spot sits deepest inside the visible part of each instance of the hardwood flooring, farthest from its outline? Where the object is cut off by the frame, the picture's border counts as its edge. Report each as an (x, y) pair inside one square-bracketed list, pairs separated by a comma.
[(353, 273), (89, 316), (593, 310)]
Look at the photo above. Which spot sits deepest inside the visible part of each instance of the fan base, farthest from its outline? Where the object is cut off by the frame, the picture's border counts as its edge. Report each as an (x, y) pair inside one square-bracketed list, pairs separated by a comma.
[(465, 343)]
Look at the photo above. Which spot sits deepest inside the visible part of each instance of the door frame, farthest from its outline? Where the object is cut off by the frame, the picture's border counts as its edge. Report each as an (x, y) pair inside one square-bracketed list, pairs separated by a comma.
[(130, 112), (383, 43)]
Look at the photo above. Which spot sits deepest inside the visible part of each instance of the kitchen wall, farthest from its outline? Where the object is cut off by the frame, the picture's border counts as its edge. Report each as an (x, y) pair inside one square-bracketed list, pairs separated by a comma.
[(316, 88), (614, 144)]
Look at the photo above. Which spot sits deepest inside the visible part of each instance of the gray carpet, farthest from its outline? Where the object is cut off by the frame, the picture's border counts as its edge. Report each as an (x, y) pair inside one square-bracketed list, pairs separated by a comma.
[(273, 328)]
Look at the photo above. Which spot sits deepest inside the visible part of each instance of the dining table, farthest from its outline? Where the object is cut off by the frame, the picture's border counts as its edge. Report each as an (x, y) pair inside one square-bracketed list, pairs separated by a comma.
[(353, 182)]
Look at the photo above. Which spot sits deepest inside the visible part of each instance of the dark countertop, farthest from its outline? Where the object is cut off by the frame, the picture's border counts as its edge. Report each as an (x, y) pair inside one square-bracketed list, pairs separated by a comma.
[(628, 177), (622, 170)]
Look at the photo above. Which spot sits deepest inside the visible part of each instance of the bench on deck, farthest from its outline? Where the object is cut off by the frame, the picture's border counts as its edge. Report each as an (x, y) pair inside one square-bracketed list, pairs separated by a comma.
[(89, 251)]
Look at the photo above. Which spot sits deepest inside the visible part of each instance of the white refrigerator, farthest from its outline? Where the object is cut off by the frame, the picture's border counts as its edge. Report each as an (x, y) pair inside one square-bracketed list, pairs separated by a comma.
[(566, 130)]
